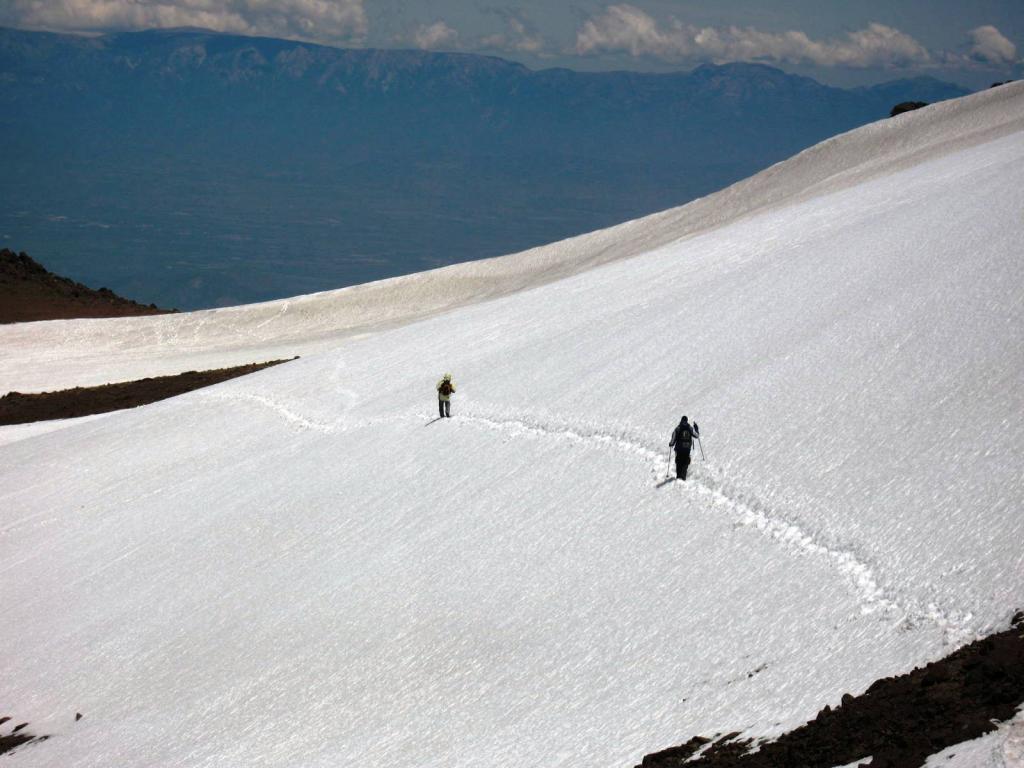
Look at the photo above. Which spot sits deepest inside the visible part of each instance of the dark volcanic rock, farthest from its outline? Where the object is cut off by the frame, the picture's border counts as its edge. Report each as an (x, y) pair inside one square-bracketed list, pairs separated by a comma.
[(28, 291), (906, 106), (899, 721), (18, 408), (18, 737)]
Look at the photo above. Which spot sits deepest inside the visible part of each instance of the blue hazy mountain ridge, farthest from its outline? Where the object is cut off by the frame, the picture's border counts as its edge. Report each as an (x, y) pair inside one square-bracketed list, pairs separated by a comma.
[(191, 169)]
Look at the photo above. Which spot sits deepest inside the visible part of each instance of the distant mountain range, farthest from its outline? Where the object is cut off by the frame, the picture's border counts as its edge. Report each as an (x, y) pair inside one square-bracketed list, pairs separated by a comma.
[(193, 169)]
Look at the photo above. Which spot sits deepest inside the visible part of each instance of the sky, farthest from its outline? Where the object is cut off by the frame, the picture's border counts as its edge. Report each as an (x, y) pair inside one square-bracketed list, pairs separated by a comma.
[(841, 43)]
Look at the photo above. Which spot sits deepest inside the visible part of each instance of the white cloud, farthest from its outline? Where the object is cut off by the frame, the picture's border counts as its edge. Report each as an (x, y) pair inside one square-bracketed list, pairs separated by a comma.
[(626, 28), (431, 37), (519, 36), (989, 46), (328, 21)]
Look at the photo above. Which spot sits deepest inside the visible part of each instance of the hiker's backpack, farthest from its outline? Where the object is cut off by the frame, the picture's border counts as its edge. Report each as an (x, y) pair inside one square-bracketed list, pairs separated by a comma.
[(684, 437), (445, 388)]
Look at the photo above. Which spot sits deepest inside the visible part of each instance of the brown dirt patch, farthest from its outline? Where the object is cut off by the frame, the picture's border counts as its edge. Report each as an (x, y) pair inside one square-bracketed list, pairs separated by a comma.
[(18, 408), (899, 721), (29, 292)]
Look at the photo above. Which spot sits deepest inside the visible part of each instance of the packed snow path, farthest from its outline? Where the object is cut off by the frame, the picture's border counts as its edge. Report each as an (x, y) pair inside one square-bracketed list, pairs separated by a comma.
[(296, 569), (744, 506)]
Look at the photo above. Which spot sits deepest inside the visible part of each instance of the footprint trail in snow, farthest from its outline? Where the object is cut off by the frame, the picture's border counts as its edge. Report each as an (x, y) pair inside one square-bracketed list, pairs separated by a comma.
[(747, 508)]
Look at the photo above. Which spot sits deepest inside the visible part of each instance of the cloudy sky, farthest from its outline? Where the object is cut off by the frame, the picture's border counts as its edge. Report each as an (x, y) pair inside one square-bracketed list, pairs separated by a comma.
[(835, 41)]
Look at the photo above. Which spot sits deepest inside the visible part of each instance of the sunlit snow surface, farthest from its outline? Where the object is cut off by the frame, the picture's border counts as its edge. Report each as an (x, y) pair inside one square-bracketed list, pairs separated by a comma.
[(298, 568), (1003, 748)]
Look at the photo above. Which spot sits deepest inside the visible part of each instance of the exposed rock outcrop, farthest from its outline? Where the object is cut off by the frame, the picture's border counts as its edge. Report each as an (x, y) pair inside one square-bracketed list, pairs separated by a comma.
[(28, 291)]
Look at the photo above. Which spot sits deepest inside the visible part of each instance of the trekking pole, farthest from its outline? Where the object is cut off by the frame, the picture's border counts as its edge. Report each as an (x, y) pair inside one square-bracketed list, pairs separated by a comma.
[(668, 464), (701, 446)]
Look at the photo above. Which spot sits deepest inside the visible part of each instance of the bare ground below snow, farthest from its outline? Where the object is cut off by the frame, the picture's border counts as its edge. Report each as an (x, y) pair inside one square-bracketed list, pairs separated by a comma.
[(18, 408)]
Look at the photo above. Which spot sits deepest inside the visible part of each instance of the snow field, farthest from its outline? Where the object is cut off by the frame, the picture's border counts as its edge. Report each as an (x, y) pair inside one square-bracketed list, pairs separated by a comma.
[(459, 614), (1003, 748), (299, 568)]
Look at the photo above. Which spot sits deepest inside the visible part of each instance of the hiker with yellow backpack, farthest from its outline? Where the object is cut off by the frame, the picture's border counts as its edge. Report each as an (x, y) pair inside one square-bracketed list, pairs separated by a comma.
[(445, 390)]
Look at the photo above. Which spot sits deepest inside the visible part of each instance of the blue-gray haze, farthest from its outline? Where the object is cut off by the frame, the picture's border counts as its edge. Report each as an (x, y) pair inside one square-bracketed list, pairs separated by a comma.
[(194, 169)]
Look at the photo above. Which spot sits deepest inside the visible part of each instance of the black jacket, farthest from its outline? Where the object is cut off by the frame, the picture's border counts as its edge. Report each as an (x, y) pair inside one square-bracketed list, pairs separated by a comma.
[(682, 436)]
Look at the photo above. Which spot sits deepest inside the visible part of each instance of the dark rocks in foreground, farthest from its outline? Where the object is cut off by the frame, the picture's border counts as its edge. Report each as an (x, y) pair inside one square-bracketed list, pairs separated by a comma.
[(18, 408), (898, 722), (18, 737)]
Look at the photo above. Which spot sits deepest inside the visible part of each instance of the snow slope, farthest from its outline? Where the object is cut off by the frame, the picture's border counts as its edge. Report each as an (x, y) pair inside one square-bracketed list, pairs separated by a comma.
[(1003, 748), (300, 568), (60, 354)]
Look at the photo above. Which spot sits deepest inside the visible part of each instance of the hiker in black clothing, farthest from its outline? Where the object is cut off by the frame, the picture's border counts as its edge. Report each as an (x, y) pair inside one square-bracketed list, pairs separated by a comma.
[(682, 440)]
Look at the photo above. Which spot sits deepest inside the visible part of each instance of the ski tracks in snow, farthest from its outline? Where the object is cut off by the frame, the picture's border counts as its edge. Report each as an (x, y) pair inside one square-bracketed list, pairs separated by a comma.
[(747, 508)]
